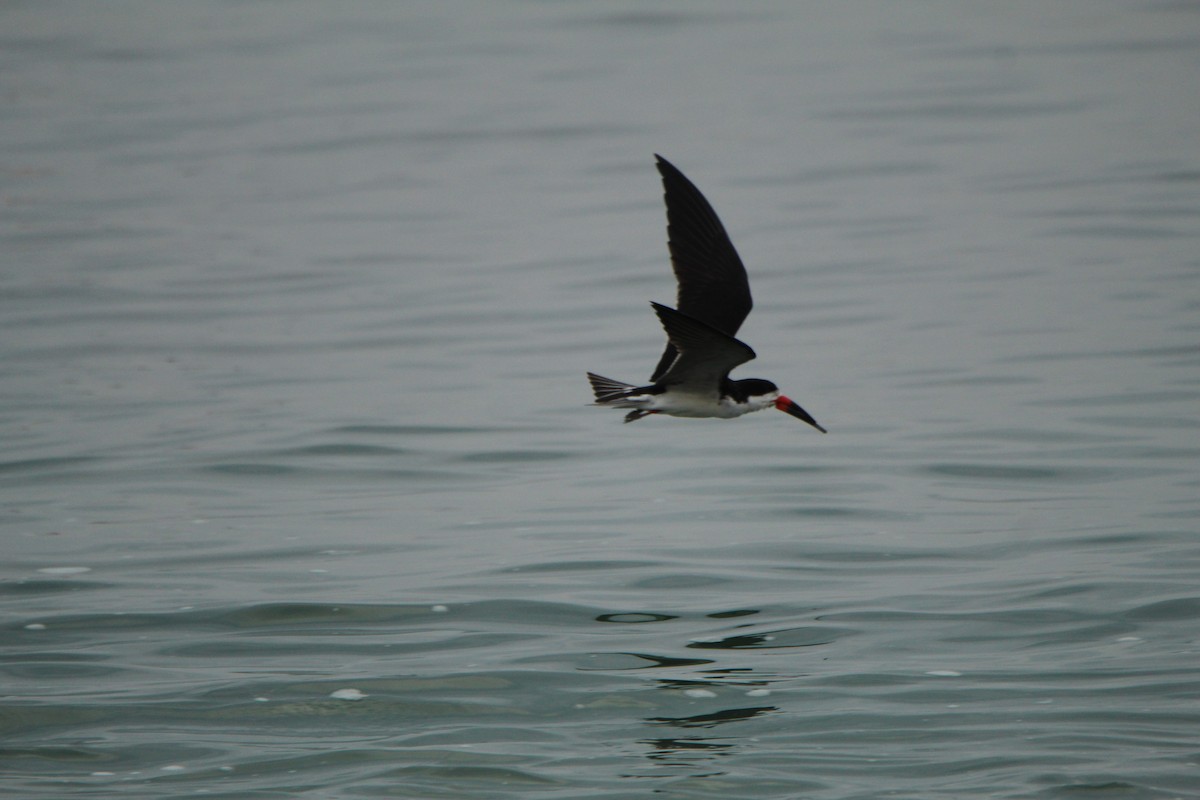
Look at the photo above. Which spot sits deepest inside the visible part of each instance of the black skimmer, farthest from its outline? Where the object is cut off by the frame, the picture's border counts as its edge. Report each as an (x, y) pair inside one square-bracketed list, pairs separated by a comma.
[(692, 377)]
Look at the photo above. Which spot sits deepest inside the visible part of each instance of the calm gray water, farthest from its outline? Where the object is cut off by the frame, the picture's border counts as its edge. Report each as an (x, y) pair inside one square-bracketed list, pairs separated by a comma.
[(301, 495)]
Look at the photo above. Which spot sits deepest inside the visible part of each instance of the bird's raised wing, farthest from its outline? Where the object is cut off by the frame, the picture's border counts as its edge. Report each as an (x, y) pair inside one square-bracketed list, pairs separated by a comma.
[(704, 355), (713, 287)]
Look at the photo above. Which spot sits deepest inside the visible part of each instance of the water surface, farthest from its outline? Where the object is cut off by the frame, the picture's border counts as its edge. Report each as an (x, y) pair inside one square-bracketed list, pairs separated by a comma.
[(301, 496)]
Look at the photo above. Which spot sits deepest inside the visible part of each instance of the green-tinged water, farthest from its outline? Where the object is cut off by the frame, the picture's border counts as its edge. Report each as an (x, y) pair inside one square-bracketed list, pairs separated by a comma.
[(300, 494)]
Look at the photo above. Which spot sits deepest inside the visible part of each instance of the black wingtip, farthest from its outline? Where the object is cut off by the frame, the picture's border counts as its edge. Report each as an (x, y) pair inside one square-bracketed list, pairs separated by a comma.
[(665, 167)]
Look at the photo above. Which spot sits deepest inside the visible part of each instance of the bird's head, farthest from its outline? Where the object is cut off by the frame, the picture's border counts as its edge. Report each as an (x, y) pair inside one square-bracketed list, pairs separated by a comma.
[(764, 394)]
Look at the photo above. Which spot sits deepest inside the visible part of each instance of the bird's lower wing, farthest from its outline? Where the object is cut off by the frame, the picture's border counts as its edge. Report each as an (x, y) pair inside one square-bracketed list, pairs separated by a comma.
[(705, 355)]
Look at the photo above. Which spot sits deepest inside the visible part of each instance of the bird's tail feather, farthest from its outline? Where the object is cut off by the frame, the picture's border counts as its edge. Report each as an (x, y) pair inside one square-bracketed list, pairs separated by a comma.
[(615, 394), (607, 390)]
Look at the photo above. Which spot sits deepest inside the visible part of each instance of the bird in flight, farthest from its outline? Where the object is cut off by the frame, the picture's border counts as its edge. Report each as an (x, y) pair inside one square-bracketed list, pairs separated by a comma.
[(692, 377)]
